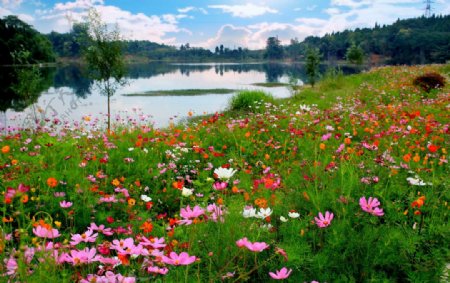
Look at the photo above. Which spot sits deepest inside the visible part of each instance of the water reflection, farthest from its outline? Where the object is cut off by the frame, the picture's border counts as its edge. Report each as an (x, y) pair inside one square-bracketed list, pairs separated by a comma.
[(66, 93)]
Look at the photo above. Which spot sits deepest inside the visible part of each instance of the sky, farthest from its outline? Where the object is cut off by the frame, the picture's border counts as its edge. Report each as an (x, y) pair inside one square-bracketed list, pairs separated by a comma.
[(233, 23)]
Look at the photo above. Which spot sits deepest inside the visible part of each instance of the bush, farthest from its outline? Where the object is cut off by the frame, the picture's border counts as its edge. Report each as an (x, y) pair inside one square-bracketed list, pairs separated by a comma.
[(429, 81), (249, 100)]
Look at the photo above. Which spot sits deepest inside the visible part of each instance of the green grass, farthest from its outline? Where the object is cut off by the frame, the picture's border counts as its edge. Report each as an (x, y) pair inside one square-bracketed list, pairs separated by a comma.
[(183, 92), (288, 157), (250, 100)]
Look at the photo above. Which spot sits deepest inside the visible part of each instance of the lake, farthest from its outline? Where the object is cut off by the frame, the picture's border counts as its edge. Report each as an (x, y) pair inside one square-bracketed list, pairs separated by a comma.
[(67, 95)]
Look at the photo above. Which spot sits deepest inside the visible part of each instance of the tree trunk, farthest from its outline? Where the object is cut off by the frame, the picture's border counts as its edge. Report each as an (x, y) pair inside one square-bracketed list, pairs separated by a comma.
[(109, 114)]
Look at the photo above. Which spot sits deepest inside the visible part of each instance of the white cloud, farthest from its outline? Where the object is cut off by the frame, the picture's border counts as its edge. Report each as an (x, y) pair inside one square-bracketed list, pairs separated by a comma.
[(11, 3), (244, 11), (133, 26), (77, 5), (192, 9), (311, 8), (255, 36), (24, 17), (332, 11), (186, 10), (230, 36)]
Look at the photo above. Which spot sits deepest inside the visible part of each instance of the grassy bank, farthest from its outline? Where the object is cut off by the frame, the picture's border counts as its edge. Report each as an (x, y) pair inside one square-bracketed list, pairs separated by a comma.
[(344, 182)]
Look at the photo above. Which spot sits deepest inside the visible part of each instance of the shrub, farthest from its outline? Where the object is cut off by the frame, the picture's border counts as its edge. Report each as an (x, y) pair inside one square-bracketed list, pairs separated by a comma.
[(248, 100), (429, 81)]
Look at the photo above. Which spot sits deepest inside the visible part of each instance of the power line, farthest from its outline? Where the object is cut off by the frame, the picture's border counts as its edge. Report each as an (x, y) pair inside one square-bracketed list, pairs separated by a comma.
[(428, 8)]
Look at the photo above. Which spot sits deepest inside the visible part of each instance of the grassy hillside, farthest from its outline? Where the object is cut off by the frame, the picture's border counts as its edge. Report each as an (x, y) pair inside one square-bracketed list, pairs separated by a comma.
[(346, 182)]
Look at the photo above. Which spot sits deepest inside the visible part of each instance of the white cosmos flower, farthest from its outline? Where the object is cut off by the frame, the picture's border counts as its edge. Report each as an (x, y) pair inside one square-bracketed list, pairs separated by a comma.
[(294, 214), (224, 173), (416, 181), (249, 212), (264, 212), (283, 219), (145, 198), (186, 192)]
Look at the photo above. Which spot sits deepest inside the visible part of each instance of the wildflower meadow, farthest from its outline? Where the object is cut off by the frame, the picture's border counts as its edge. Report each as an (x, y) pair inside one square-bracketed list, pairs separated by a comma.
[(343, 182)]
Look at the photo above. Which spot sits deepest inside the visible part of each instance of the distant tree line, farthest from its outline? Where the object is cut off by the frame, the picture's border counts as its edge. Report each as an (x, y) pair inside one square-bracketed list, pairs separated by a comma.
[(411, 41)]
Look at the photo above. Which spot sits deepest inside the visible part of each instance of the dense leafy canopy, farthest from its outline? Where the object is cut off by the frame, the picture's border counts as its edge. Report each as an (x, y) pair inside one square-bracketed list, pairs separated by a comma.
[(16, 36)]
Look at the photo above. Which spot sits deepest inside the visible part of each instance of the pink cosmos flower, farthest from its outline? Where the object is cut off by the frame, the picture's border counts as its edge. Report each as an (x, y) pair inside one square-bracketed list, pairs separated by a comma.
[(181, 259), (83, 256), (101, 228), (216, 212), (65, 204), (157, 270), (188, 214), (46, 233), (11, 266), (122, 244), (219, 186), (242, 242), (371, 206), (322, 221), (155, 243), (86, 237), (256, 246), (281, 274)]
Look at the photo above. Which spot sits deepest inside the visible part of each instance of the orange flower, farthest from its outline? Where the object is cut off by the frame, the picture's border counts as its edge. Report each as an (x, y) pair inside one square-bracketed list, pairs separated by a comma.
[(347, 141), (52, 182), (261, 202), (147, 227), (14, 162), (418, 202), (115, 182), (24, 198), (6, 149), (322, 146), (131, 201), (416, 158), (407, 157), (247, 134), (7, 219)]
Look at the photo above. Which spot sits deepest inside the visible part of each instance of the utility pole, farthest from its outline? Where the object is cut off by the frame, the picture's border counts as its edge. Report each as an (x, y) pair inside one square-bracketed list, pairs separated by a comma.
[(428, 8)]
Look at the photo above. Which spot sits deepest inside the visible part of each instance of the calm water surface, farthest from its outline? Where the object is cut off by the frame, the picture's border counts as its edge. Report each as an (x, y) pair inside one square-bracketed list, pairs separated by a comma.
[(70, 96)]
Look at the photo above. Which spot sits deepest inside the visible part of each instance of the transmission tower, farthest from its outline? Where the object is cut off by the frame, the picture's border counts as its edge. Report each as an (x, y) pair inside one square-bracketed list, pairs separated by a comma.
[(428, 8)]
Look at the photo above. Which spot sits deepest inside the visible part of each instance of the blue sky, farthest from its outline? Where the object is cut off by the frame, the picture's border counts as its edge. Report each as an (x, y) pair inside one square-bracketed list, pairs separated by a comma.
[(230, 22)]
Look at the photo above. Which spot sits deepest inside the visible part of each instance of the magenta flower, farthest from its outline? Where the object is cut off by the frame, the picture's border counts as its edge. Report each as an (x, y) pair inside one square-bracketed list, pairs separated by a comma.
[(46, 233), (371, 206), (219, 186), (242, 242), (188, 214), (65, 204), (101, 228), (281, 274), (181, 259), (254, 247), (322, 221), (84, 256), (86, 237)]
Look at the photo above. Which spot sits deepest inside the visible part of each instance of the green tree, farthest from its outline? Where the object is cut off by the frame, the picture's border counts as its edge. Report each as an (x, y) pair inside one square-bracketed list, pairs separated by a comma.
[(16, 35), (274, 50), (103, 53), (312, 65), (355, 54)]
